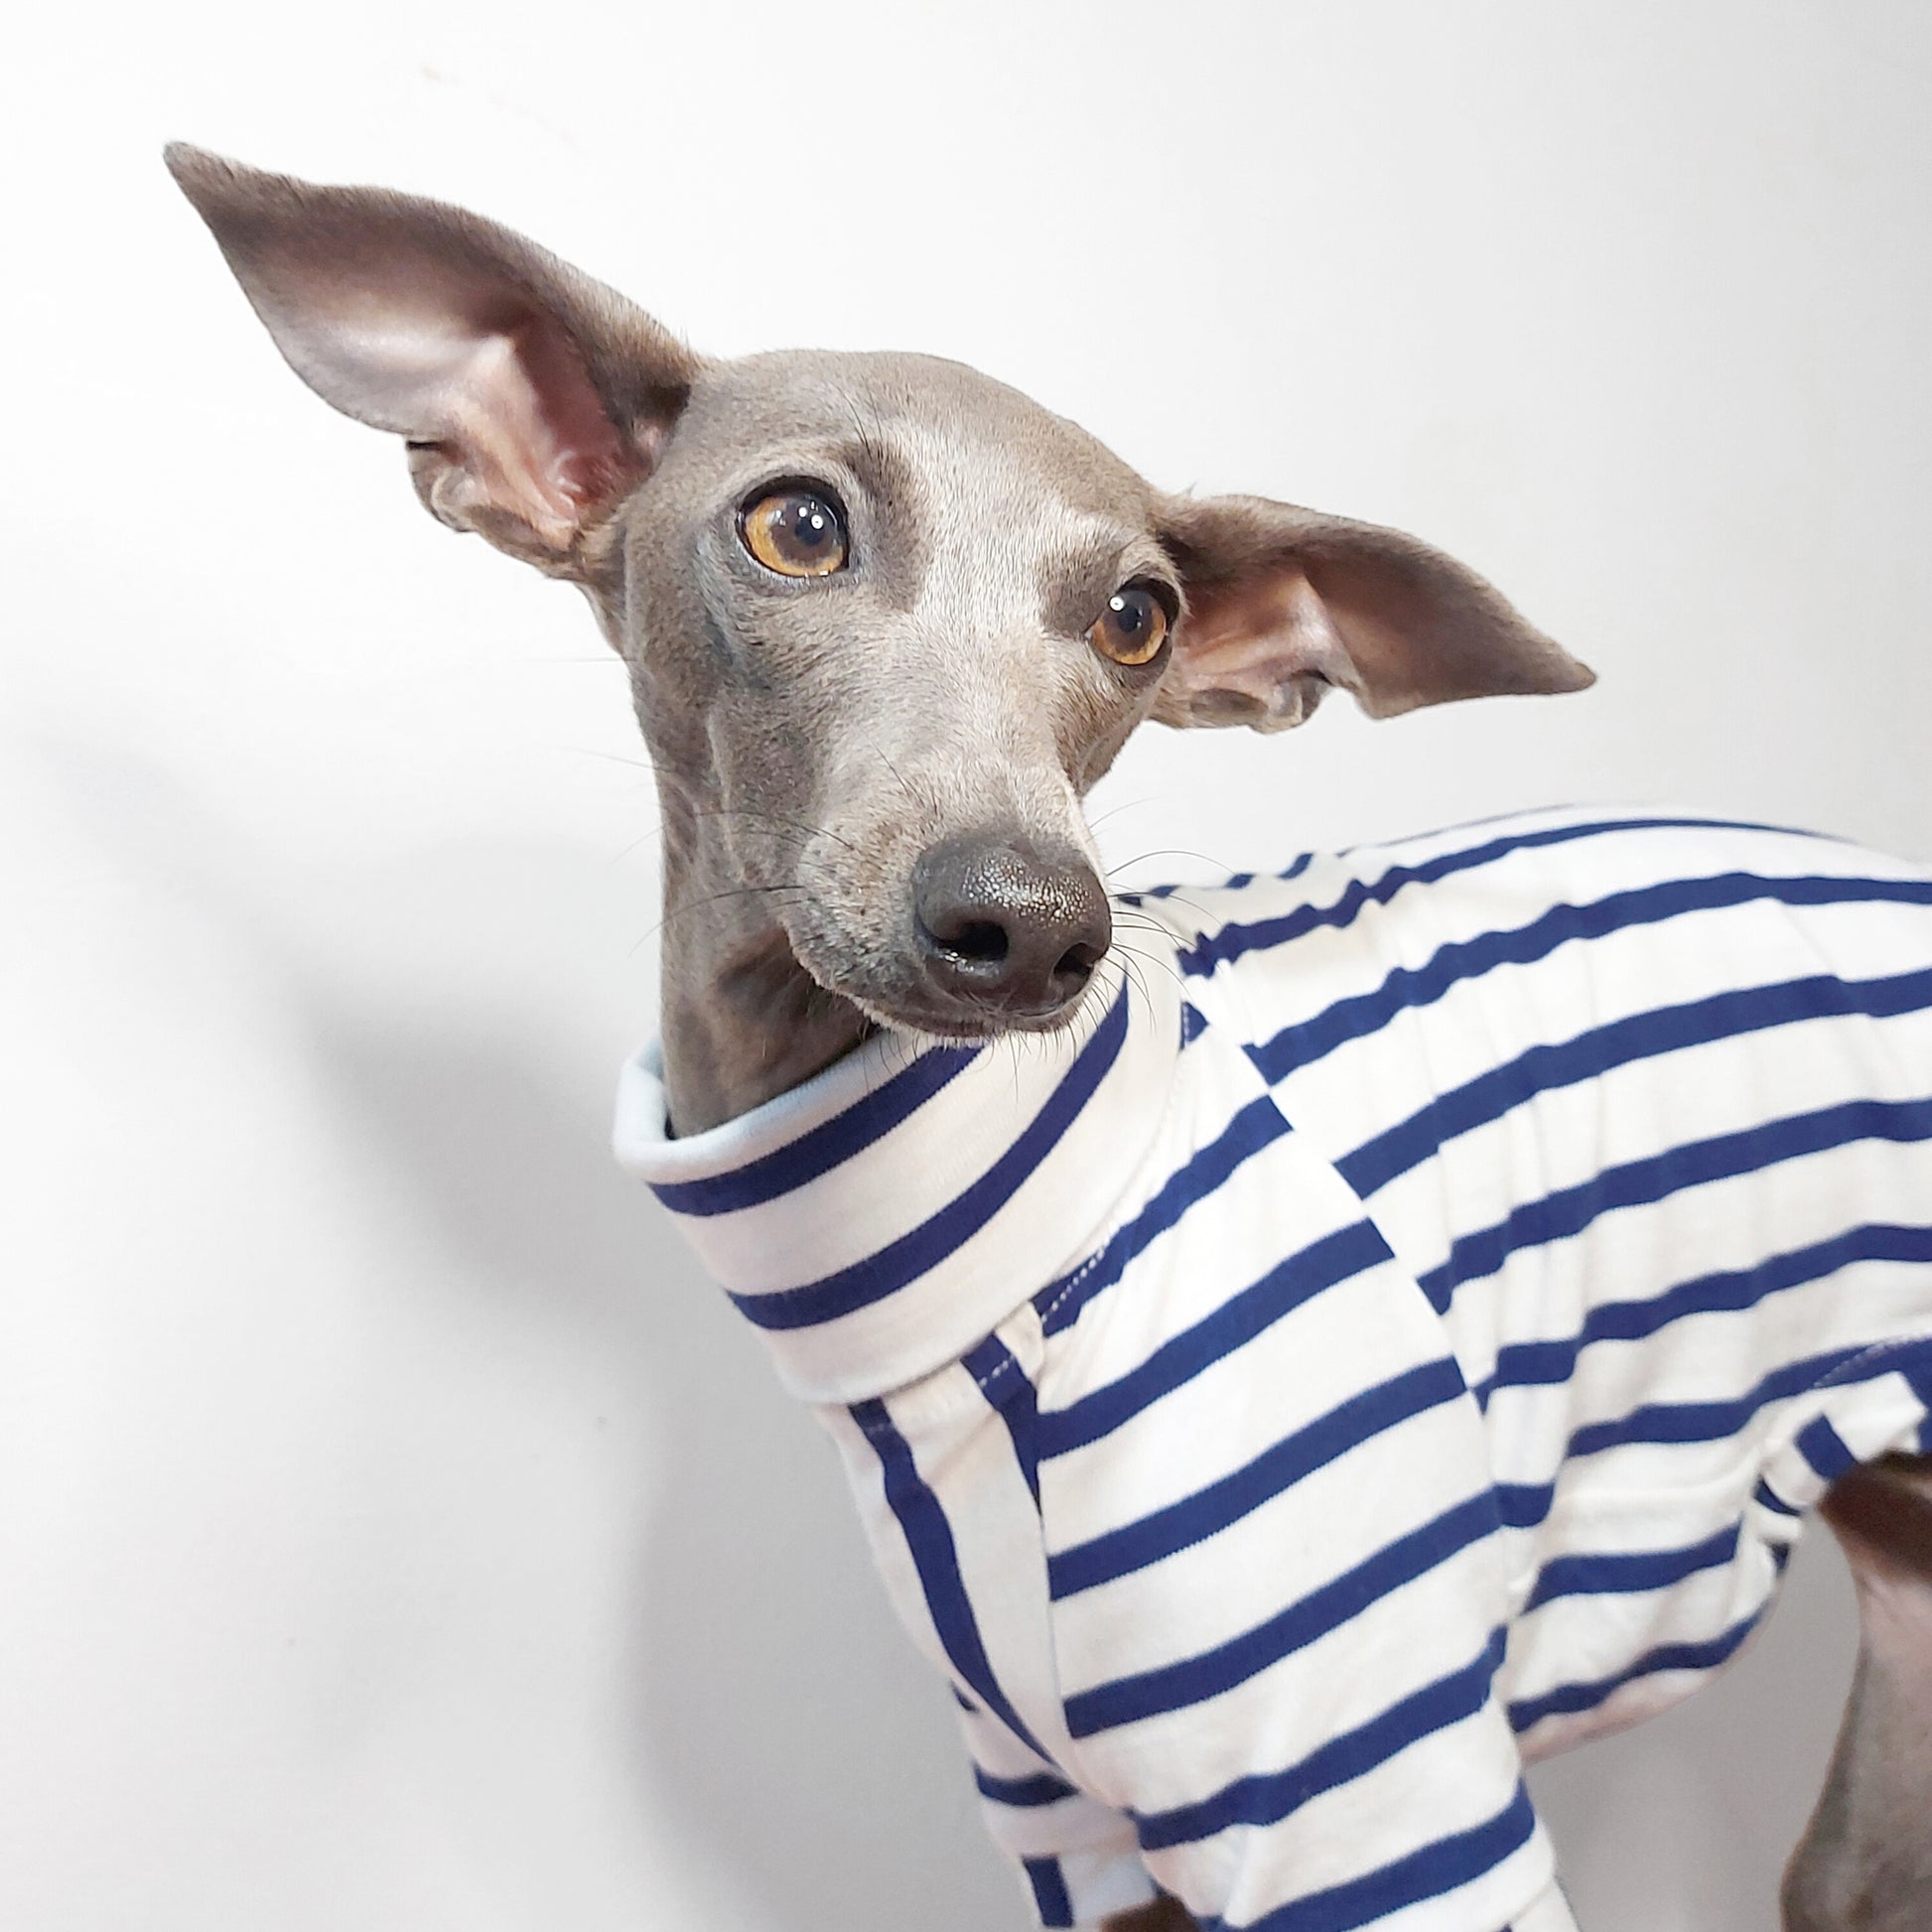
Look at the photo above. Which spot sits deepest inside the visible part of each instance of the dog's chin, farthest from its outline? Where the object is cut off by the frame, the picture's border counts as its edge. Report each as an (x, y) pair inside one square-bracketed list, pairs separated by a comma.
[(957, 1024)]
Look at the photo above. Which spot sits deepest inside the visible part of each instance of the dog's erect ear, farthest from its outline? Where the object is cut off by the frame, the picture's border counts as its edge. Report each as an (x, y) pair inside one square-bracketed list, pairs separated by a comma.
[(533, 398), (1283, 603)]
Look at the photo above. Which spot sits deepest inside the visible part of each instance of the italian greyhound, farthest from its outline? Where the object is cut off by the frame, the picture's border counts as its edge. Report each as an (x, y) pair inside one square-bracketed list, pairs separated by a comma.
[(886, 623)]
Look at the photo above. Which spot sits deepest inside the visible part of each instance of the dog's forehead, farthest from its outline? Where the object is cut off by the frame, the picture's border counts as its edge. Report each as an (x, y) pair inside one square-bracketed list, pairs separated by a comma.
[(968, 447)]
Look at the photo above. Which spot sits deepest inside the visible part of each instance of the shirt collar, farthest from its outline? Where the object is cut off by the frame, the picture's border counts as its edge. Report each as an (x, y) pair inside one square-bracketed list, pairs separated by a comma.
[(878, 1220)]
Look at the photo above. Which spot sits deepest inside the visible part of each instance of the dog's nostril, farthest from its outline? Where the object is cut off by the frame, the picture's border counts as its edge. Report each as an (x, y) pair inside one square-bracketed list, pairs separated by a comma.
[(1077, 965), (979, 940)]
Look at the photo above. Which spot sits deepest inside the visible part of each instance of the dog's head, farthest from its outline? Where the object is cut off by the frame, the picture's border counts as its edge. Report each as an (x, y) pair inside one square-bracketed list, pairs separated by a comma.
[(886, 618)]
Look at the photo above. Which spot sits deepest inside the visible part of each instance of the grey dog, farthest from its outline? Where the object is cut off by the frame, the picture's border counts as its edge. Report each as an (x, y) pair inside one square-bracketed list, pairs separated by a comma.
[(887, 622)]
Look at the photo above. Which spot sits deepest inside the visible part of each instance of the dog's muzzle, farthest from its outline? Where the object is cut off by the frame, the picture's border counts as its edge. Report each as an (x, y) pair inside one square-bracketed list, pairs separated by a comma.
[(1006, 932)]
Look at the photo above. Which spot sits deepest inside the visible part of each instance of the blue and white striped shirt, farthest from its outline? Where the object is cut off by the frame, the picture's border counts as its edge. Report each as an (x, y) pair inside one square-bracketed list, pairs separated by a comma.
[(1395, 1339)]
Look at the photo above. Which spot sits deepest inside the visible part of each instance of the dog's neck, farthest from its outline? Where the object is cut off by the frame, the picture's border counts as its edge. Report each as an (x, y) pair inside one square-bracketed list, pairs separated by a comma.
[(743, 1021)]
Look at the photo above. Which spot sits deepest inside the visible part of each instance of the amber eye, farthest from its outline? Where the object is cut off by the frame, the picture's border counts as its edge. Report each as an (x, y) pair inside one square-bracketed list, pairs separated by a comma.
[(797, 532), (1132, 626)]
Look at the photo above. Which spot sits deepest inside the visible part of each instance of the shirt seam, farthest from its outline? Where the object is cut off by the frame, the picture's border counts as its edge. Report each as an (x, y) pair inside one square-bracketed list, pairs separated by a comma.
[(1133, 1192)]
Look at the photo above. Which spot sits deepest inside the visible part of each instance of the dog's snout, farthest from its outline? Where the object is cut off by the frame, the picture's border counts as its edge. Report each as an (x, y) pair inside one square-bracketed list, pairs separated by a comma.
[(1002, 927)]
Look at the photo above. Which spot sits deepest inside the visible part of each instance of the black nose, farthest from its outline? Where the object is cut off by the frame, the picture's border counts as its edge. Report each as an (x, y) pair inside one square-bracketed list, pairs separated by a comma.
[(1002, 927)]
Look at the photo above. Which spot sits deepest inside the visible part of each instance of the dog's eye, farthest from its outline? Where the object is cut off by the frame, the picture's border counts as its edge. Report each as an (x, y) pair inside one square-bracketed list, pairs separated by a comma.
[(795, 532), (1132, 626)]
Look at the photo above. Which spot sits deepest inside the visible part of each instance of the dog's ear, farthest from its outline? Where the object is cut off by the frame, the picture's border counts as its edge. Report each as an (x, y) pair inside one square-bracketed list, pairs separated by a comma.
[(1283, 603), (533, 398)]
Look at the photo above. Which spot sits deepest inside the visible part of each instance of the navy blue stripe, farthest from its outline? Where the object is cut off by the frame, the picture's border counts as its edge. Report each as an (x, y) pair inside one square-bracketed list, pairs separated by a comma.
[(1630, 1573), (1825, 1449), (1638, 1183), (1524, 1505), (1710, 1422), (1050, 1892), (1430, 1872), (1641, 1037), (1293, 870), (1352, 1019), (1543, 1364), (826, 1145), (1258, 1125), (1003, 1382), (1770, 1498), (1172, 1687), (1235, 940), (1208, 1511), (935, 1556), (1335, 1258), (1268, 1797), (1568, 1699), (927, 1245), (1044, 1788)]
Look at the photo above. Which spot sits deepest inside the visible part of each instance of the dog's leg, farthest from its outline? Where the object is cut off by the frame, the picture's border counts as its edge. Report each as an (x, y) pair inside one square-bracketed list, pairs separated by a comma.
[(1163, 1914), (1865, 1864)]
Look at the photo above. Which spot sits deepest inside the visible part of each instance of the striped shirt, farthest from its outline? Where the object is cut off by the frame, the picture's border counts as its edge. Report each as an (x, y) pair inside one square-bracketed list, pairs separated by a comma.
[(1394, 1338)]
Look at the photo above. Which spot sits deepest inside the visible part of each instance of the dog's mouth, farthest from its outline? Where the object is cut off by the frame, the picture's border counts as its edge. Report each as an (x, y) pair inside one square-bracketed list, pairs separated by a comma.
[(919, 1003), (968, 1025)]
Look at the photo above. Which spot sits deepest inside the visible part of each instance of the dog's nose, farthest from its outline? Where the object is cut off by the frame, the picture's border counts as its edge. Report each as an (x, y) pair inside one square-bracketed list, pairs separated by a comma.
[(1004, 928)]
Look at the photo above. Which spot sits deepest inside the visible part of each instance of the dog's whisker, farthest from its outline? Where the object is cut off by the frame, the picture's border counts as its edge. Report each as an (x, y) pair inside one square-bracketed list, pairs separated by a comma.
[(1129, 970), (1152, 959), (608, 758), (730, 891), (779, 818), (643, 838), (1170, 895), (1167, 852), (1113, 812), (893, 769), (1147, 929), (712, 899)]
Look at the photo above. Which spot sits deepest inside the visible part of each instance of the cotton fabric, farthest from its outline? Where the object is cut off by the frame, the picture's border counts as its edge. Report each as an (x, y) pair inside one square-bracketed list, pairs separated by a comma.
[(1395, 1336)]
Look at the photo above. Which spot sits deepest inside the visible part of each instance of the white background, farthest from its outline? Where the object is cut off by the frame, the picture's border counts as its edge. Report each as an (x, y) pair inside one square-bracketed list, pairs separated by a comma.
[(395, 1531)]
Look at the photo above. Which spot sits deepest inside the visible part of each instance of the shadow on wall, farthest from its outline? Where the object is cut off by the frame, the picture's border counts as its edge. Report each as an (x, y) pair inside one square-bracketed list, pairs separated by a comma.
[(780, 1718), (784, 1731)]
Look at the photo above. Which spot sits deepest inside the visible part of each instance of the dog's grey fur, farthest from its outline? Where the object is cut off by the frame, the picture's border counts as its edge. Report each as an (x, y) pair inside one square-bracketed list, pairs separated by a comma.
[(815, 739)]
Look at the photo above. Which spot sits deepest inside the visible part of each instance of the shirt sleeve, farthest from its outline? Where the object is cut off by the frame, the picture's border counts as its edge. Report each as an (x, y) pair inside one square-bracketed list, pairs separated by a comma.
[(1081, 1860)]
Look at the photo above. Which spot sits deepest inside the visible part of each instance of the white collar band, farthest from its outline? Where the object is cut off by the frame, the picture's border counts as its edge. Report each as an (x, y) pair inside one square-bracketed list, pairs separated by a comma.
[(878, 1220)]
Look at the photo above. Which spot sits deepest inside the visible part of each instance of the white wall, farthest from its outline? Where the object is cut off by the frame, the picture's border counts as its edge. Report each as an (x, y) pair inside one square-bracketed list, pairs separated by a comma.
[(395, 1531)]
